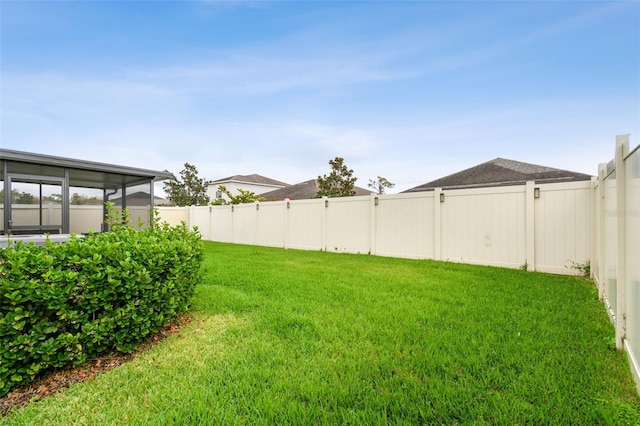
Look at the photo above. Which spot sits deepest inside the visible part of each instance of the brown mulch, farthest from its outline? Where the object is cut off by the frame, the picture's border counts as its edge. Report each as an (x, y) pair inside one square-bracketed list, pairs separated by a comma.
[(59, 379)]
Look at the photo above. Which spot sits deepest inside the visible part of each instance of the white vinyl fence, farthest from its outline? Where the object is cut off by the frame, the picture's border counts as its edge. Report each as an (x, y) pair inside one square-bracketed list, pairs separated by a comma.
[(501, 226), (616, 246)]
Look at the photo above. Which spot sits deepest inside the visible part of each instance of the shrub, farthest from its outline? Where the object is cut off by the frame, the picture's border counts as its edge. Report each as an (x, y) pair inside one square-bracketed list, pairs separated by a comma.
[(64, 303)]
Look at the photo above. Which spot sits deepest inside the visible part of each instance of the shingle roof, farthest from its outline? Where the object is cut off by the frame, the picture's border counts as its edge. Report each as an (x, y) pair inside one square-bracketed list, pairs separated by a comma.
[(302, 191), (254, 178), (501, 172)]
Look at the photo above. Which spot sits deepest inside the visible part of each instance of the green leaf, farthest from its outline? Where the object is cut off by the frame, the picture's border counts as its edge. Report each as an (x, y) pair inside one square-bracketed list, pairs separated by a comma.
[(19, 325)]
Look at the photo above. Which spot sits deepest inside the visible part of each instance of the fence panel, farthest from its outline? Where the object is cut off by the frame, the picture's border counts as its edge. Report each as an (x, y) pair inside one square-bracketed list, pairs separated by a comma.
[(139, 216), (173, 215), (349, 225), (200, 216), (271, 224), (306, 224), (83, 219), (632, 216), (244, 223), (404, 226), (221, 224), (596, 235), (610, 241), (29, 214), (484, 226), (562, 223)]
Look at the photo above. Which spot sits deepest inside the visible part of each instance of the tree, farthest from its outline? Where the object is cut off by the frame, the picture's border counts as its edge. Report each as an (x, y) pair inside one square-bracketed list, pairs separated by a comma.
[(189, 190), (23, 198), (380, 185), (244, 196), (53, 198), (339, 183), (14, 195), (79, 199)]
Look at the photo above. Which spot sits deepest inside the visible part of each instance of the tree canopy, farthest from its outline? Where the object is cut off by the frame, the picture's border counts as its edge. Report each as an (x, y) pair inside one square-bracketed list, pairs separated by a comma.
[(339, 183), (189, 190), (80, 199), (380, 185), (22, 197), (244, 196)]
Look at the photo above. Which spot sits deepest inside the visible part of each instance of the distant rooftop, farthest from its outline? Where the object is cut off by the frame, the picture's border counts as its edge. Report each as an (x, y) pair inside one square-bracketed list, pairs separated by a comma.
[(302, 191), (501, 172), (254, 179)]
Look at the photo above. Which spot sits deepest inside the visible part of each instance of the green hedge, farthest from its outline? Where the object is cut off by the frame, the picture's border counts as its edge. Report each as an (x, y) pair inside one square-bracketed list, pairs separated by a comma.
[(64, 303)]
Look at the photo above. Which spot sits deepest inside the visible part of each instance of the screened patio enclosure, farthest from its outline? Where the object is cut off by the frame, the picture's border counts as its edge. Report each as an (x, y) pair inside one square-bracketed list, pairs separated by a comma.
[(43, 194)]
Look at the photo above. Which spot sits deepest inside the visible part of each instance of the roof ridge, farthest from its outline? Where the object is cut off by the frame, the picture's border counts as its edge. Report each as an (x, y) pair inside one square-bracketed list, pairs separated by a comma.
[(252, 178), (521, 166)]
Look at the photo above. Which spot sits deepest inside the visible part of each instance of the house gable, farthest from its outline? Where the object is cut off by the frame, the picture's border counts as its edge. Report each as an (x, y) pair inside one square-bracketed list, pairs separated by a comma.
[(255, 183)]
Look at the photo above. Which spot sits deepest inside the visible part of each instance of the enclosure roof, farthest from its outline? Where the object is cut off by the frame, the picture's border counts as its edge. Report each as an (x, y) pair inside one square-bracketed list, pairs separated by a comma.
[(501, 172), (82, 173)]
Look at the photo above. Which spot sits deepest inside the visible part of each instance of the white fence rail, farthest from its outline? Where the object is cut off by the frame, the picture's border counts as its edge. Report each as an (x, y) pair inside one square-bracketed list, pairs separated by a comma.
[(501, 226)]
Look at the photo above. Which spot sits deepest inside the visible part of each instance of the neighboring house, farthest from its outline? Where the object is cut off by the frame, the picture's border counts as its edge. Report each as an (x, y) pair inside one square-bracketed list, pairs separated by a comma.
[(501, 172), (254, 183), (302, 191)]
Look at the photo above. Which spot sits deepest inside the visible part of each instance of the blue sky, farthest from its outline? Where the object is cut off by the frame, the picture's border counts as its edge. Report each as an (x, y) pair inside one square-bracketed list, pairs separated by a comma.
[(411, 91)]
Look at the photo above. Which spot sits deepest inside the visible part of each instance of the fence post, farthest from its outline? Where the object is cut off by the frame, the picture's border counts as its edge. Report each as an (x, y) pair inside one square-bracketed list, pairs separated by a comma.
[(189, 217), (324, 205), (622, 149), (593, 229), (256, 223), (373, 209), (50, 216), (602, 253), (595, 236), (530, 225), (437, 223), (210, 223), (287, 207), (231, 234)]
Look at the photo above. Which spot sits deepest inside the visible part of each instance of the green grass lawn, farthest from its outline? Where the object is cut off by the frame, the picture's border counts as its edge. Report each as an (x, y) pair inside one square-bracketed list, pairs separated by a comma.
[(294, 337)]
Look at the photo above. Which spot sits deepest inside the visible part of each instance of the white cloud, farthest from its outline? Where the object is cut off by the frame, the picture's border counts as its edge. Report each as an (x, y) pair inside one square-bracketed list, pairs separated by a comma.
[(126, 126)]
